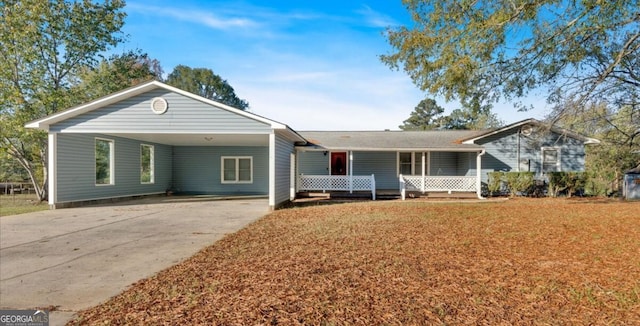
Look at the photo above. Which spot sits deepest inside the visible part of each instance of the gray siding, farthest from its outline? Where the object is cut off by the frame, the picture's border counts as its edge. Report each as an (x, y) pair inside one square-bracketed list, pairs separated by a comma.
[(76, 168), (184, 115), (313, 163), (443, 163), (382, 164), (283, 151), (466, 164), (196, 169), (502, 152)]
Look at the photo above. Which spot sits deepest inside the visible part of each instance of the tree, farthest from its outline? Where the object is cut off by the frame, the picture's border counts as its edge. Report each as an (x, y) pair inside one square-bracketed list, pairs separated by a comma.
[(43, 45), (428, 115), (205, 83), (118, 72), (425, 116), (582, 51), (472, 116), (619, 133)]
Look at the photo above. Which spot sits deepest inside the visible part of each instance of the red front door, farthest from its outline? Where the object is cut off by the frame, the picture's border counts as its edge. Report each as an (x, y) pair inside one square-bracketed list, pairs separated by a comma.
[(339, 163)]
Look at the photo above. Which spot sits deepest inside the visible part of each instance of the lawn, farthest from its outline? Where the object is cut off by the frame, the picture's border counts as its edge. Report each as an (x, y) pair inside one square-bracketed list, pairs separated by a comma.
[(523, 261), (20, 203)]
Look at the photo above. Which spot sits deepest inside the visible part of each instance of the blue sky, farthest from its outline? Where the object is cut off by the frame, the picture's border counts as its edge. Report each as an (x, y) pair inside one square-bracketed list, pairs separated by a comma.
[(313, 65)]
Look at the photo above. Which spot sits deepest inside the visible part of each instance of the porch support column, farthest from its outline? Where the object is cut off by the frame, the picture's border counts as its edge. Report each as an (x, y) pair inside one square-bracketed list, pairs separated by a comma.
[(350, 172), (272, 170), (52, 168), (423, 171), (479, 174)]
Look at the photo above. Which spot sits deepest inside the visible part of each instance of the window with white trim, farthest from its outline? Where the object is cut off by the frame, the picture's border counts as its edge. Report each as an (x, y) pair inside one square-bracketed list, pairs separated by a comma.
[(104, 161), (550, 159), (147, 162), (237, 169), (410, 163)]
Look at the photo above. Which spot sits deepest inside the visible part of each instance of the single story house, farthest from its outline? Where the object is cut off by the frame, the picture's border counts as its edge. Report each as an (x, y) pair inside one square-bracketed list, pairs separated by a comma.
[(153, 138)]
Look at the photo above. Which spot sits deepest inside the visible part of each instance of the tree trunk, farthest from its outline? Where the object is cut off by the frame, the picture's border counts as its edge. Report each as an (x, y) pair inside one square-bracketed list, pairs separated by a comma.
[(39, 187)]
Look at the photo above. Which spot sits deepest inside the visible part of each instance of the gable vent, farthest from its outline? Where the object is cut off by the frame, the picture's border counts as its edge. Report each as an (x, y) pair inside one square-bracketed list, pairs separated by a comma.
[(526, 130), (159, 105)]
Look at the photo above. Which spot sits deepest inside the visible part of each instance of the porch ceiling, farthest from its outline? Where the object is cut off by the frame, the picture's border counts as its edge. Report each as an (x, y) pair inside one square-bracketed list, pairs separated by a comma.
[(201, 139)]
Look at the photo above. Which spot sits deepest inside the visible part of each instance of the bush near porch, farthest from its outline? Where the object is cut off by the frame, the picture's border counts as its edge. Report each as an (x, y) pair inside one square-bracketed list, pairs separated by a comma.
[(521, 261), (525, 184)]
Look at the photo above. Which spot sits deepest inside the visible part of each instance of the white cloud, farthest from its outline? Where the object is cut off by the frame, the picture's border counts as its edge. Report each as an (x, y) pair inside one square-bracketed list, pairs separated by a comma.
[(200, 17), (374, 18)]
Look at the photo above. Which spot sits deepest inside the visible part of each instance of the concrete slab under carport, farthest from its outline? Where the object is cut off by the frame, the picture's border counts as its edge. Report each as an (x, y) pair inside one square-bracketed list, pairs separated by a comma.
[(76, 258)]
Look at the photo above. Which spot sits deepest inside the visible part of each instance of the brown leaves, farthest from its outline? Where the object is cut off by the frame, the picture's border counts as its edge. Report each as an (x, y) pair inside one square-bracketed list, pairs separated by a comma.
[(523, 261)]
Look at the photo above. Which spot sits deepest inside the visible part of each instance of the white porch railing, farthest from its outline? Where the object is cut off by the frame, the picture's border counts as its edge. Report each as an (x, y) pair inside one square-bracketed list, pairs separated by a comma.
[(337, 183), (437, 183)]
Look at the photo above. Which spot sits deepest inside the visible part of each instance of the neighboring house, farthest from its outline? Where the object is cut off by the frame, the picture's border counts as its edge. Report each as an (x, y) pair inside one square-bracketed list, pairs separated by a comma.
[(154, 138)]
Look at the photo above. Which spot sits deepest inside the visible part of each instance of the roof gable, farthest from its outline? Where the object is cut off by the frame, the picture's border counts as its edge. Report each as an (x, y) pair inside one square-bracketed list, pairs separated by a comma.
[(46, 122), (532, 122)]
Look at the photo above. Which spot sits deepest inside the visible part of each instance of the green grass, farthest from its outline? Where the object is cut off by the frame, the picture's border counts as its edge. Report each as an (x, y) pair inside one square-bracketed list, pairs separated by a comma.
[(20, 204)]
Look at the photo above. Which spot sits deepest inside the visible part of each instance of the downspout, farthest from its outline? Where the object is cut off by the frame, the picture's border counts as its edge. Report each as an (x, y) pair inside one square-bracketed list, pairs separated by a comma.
[(479, 174)]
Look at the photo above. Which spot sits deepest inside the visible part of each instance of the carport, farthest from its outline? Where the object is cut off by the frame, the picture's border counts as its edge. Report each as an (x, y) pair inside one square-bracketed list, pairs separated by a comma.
[(153, 138)]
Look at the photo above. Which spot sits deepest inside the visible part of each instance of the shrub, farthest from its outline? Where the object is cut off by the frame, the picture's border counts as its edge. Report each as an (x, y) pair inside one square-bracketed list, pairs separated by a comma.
[(519, 182), (515, 183), (572, 182), (494, 184)]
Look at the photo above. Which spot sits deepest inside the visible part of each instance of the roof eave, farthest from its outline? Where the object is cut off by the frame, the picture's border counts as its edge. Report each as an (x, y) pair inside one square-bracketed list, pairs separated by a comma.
[(311, 148), (45, 122)]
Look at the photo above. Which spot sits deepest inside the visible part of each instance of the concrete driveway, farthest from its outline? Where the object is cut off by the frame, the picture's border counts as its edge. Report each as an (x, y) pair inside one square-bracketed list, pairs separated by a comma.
[(76, 258)]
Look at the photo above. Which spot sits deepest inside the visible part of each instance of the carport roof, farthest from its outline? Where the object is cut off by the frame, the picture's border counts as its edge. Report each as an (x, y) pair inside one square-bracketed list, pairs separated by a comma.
[(433, 140)]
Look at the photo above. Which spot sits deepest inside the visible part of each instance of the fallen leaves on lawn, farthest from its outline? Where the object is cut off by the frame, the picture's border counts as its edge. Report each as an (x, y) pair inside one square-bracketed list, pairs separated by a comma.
[(525, 261)]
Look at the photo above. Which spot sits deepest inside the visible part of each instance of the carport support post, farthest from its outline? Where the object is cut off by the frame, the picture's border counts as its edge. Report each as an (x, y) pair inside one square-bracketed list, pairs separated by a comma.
[(272, 170), (52, 144)]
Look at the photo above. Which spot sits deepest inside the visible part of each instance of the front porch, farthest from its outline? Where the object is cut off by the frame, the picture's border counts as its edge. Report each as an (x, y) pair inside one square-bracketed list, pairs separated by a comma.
[(439, 184), (358, 186)]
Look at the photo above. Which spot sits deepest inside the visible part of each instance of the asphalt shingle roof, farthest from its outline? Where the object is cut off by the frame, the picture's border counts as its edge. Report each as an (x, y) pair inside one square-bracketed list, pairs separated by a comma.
[(391, 140)]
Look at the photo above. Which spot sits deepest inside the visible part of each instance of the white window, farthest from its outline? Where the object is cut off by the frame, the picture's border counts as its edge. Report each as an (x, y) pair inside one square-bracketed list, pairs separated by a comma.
[(550, 159), (147, 161), (104, 161), (410, 163), (237, 169)]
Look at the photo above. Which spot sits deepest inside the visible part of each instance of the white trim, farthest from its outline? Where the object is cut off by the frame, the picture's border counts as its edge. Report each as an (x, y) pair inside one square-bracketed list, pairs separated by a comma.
[(164, 105), (292, 176), (53, 168), (499, 130), (112, 162), (558, 130), (350, 172), (152, 164), (476, 149), (558, 149), (237, 169), (479, 175), (272, 170)]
